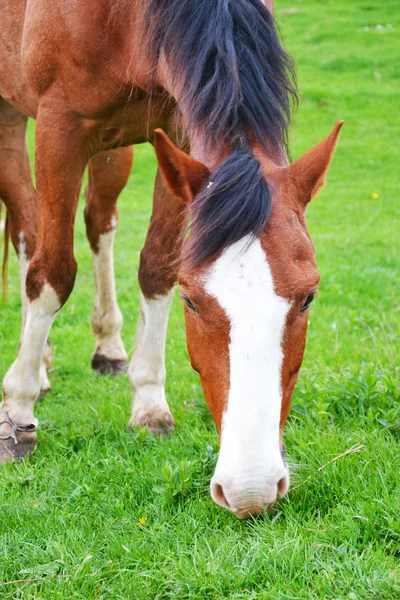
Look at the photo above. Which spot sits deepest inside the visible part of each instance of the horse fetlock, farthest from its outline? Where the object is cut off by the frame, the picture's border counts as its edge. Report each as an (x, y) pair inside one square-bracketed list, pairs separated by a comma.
[(111, 346), (20, 387), (106, 323), (110, 354), (143, 377)]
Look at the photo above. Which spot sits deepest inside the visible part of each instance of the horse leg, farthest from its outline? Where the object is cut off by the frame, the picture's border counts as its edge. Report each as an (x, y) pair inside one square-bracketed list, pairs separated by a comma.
[(60, 163), (108, 175), (157, 275), (18, 195)]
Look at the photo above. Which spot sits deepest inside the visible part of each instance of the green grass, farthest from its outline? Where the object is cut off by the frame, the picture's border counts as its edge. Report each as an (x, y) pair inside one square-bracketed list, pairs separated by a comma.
[(69, 518)]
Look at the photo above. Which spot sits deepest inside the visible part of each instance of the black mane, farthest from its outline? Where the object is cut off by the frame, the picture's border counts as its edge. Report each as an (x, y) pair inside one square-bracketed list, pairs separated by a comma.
[(234, 82)]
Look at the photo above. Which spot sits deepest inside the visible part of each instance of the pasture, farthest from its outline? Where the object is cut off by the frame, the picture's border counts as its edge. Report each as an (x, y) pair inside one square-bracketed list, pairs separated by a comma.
[(101, 512)]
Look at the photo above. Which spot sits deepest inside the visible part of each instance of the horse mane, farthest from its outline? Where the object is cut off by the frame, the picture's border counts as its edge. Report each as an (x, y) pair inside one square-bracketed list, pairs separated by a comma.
[(234, 86)]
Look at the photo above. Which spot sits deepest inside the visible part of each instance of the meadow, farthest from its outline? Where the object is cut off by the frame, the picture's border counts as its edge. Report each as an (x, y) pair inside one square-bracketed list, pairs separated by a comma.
[(100, 512)]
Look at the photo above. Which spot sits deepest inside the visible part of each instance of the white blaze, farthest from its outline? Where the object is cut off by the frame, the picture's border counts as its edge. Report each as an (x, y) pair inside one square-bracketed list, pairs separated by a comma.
[(250, 463)]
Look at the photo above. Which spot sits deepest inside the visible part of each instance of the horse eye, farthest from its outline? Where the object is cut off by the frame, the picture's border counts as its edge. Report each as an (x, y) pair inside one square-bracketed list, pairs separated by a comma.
[(189, 304), (308, 301)]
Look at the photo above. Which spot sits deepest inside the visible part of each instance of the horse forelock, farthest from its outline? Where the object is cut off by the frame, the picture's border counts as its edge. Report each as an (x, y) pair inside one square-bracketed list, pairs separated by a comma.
[(235, 202)]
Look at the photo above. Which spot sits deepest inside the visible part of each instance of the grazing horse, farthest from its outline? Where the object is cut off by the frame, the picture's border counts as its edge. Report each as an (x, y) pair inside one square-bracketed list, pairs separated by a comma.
[(103, 74)]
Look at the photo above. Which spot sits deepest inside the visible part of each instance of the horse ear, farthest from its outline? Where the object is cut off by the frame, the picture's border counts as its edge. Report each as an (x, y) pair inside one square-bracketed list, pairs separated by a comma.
[(308, 172), (183, 175)]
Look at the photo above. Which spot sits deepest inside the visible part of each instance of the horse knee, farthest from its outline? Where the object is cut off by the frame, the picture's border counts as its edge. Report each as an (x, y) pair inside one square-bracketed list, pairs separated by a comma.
[(58, 272), (156, 273), (99, 220)]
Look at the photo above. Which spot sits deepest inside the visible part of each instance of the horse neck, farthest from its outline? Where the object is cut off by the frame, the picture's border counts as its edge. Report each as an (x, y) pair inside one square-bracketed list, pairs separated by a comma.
[(209, 156)]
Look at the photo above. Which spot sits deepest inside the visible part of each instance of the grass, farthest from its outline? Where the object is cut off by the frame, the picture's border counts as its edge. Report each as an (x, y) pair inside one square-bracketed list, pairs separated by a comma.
[(101, 513)]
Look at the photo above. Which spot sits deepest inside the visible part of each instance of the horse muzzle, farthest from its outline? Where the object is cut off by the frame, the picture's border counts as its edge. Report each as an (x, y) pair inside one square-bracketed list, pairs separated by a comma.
[(250, 493)]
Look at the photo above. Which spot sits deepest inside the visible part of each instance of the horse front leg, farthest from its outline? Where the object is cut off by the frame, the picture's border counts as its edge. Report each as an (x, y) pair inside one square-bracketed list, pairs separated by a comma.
[(18, 194), (157, 275), (108, 174), (60, 162)]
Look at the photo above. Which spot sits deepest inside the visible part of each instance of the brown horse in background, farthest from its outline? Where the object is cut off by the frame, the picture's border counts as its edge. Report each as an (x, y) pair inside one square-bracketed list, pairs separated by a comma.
[(99, 76)]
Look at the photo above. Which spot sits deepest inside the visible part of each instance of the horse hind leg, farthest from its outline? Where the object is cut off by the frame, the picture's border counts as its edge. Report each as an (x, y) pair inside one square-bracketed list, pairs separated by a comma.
[(18, 195), (157, 275), (108, 175)]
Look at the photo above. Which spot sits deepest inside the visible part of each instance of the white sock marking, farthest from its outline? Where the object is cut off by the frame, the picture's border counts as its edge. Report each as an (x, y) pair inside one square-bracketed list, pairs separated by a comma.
[(21, 384), (23, 270), (147, 367), (107, 317)]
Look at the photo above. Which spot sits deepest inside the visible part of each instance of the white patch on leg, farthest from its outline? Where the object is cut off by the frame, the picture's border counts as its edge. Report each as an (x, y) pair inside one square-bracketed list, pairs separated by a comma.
[(23, 270), (21, 385), (107, 317), (250, 463), (147, 367)]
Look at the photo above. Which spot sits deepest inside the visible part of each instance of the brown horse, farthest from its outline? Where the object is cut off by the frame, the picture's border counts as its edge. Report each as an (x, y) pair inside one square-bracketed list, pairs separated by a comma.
[(103, 74)]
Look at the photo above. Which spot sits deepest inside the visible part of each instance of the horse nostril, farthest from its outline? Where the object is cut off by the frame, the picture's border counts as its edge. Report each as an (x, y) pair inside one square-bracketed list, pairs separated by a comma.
[(282, 486), (219, 496)]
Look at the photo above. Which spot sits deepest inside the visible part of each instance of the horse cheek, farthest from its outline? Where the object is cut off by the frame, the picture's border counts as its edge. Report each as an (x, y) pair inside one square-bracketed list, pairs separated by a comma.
[(293, 352)]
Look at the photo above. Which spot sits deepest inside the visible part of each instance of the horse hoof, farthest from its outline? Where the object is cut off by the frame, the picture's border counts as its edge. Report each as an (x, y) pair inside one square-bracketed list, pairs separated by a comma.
[(108, 366), (157, 425), (12, 452)]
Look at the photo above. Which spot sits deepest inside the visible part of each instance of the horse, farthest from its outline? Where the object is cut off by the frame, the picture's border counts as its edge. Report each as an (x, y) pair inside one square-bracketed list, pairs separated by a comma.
[(211, 87)]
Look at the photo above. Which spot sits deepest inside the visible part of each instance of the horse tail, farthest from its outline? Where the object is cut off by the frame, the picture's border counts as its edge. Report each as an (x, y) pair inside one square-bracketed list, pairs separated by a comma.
[(4, 271)]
